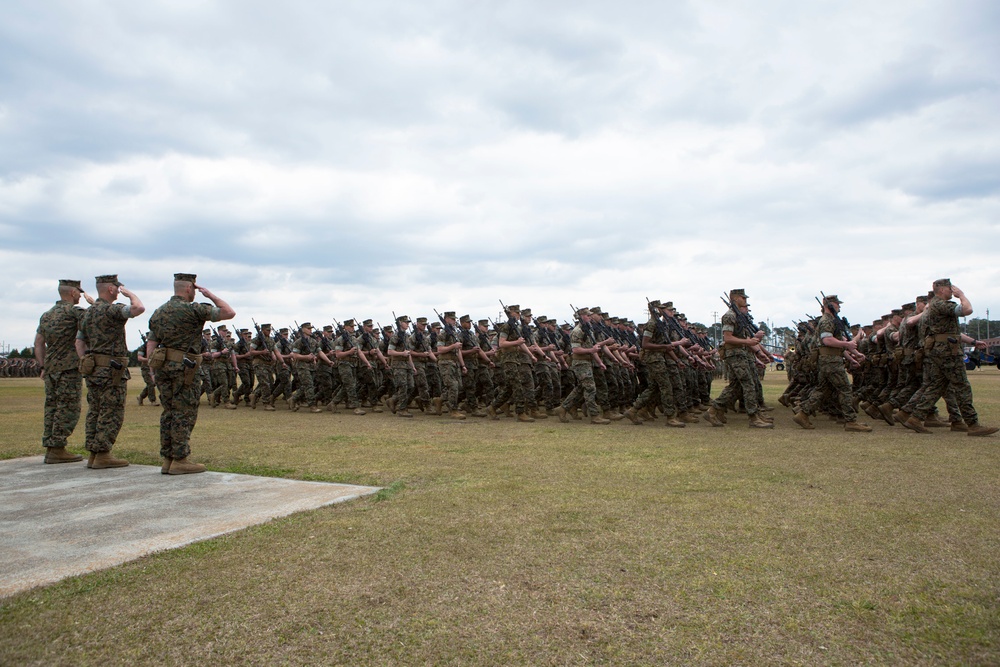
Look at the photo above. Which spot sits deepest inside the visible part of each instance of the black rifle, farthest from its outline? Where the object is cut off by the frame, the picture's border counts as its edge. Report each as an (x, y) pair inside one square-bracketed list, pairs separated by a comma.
[(742, 319), (840, 323), (513, 325)]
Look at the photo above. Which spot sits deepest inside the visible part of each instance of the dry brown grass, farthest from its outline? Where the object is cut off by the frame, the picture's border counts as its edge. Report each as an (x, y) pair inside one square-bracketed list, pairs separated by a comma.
[(549, 543)]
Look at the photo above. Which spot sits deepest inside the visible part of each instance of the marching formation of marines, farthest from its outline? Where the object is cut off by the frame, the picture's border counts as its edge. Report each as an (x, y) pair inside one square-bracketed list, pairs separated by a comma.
[(600, 369)]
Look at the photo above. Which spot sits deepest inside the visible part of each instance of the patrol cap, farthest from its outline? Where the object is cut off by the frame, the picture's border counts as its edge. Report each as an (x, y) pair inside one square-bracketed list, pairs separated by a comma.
[(738, 292), (244, 331), (387, 329), (682, 317), (669, 305), (449, 313), (655, 303), (583, 311), (328, 327), (348, 323), (596, 310), (940, 282), (223, 327), (465, 318), (403, 318), (283, 330), (436, 325), (421, 320), (366, 323), (897, 312), (516, 308), (306, 325), (922, 298), (540, 319), (69, 283), (484, 323), (910, 306), (830, 298), (526, 312), (615, 320), (205, 331), (112, 279), (265, 326), (186, 277)]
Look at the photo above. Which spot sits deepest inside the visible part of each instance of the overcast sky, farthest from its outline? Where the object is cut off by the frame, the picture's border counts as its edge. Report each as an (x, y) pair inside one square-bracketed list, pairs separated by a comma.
[(312, 160)]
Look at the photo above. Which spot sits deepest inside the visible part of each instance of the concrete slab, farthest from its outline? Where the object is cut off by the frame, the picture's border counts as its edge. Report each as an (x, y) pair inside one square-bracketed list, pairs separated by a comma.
[(62, 520)]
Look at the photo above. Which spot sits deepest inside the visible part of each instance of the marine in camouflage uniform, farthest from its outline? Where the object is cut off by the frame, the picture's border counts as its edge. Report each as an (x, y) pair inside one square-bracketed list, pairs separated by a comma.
[(325, 371), (349, 358), (174, 351), (585, 355), (419, 344), (435, 385), (739, 360), (55, 350), (263, 359), (832, 375), (656, 344), (451, 364), (305, 352), (222, 362), (101, 346), (473, 357), (369, 375), (943, 347), (399, 353), (509, 350), (282, 369), (244, 368)]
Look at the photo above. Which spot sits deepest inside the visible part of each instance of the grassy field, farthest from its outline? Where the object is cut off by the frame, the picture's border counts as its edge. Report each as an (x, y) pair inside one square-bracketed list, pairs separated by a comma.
[(551, 544)]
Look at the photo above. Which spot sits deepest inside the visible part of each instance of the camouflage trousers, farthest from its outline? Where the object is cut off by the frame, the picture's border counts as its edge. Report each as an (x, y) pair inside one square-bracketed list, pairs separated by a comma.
[(62, 406), (306, 392), (585, 391), (908, 385), (404, 384), (518, 387), (246, 383), (742, 378), (282, 382), (348, 391), (421, 387), (180, 410), (659, 389), (451, 382), (148, 391), (601, 386), (832, 379), (434, 382), (324, 382), (479, 389), (220, 382), (946, 373), (265, 382), (677, 383), (547, 382), (105, 410)]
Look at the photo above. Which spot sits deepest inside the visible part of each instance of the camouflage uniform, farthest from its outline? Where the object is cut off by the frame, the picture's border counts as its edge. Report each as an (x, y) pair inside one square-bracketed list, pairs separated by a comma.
[(402, 373), (263, 366), (419, 341), (946, 370), (149, 390), (739, 368), (832, 376), (305, 345), (585, 391), (63, 383), (450, 365), (347, 368), (659, 382), (102, 330), (176, 326)]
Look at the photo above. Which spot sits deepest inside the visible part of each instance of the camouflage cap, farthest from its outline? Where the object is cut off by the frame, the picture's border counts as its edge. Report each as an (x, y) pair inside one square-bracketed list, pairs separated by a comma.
[(566, 326), (449, 313), (655, 303), (387, 329), (669, 305), (206, 331), (897, 312), (942, 282), (830, 298), (186, 277), (738, 292), (328, 328), (910, 306), (306, 325), (526, 312), (69, 283), (541, 319), (348, 323), (682, 317), (403, 318), (283, 330), (421, 320), (465, 318), (222, 327), (484, 323), (855, 327), (876, 323), (615, 320), (514, 307), (436, 325), (596, 310), (583, 311), (923, 298), (265, 326), (802, 326), (111, 279), (244, 331)]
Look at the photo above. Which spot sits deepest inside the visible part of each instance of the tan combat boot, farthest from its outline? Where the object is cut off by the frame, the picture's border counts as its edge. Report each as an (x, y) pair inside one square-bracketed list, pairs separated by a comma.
[(165, 465), (598, 419), (574, 413), (688, 418), (712, 417), (253, 401), (138, 399), (915, 424), (105, 460), (184, 467), (269, 407), (563, 415), (391, 404), (857, 427), (932, 421), (959, 427), (491, 411), (802, 419), (315, 409), (359, 412), (633, 416), (978, 430), (757, 422), (523, 417), (674, 422), (538, 414), (292, 406), (230, 406), (405, 413), (438, 402), (456, 414), (901, 416), (886, 411), (60, 455), (613, 415)]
